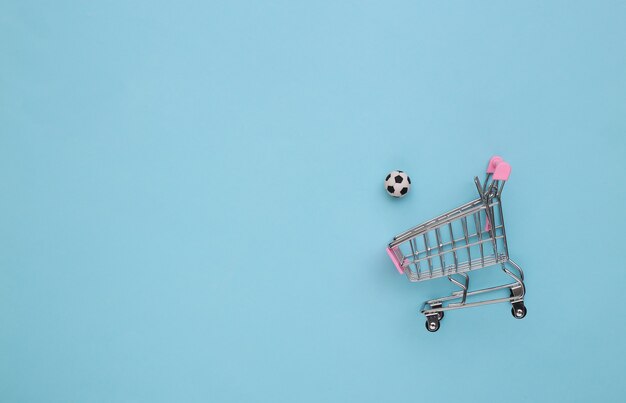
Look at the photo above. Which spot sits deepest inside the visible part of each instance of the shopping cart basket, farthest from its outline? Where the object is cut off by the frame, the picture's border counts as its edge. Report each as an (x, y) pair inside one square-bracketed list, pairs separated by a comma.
[(468, 238)]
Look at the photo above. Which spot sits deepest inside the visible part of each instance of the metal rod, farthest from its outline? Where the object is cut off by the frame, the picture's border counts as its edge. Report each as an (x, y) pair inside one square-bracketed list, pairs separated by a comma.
[(467, 247), (504, 242), (442, 259), (415, 263), (480, 235), (456, 261), (430, 263)]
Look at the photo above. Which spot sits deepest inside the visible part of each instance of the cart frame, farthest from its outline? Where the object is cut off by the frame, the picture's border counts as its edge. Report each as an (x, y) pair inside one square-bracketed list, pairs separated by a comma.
[(468, 238)]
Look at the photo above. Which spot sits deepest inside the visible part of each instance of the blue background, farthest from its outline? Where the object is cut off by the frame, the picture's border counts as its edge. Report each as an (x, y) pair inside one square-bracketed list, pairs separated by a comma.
[(192, 205)]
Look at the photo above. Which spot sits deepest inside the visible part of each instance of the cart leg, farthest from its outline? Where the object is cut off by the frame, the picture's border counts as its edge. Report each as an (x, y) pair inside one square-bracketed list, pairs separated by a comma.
[(517, 291), (517, 300), (464, 286)]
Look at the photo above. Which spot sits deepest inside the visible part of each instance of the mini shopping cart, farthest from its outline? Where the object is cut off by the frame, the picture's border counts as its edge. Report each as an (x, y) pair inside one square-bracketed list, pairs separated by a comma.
[(468, 238)]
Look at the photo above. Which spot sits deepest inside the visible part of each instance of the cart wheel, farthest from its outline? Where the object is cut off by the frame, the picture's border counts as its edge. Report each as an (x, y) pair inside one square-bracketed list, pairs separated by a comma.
[(440, 315), (432, 324), (519, 310)]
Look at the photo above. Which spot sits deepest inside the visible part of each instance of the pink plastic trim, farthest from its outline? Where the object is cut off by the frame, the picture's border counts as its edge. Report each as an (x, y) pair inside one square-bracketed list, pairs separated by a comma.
[(487, 224), (493, 163), (394, 259), (503, 170)]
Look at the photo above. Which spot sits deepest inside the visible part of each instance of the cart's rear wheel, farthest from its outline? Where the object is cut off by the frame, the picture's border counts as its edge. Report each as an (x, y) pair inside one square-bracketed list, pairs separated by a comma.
[(519, 310), (432, 323)]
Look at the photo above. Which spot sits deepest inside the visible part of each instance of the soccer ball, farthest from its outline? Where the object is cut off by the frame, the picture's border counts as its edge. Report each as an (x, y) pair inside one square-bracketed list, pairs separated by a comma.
[(397, 183)]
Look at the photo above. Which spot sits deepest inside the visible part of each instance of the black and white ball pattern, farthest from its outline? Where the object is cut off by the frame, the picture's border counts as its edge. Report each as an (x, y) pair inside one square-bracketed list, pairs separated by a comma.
[(397, 183)]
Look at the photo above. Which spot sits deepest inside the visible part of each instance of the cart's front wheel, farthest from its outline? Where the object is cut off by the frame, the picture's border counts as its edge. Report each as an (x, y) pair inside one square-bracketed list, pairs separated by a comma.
[(432, 323), (519, 310)]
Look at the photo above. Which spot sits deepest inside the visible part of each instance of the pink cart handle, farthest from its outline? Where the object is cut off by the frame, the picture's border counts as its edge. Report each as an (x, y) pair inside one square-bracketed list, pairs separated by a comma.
[(503, 170), (493, 163), (500, 169)]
